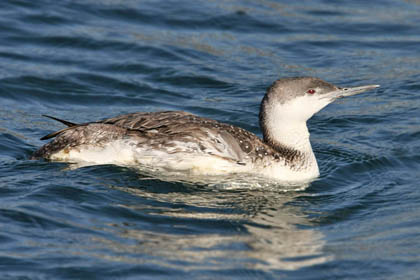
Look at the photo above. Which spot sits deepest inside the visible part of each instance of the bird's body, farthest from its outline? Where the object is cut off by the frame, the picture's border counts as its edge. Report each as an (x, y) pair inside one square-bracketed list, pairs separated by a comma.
[(180, 141)]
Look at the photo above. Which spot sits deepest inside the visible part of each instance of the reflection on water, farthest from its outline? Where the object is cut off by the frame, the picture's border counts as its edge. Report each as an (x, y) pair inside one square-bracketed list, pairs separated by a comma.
[(228, 181), (215, 229)]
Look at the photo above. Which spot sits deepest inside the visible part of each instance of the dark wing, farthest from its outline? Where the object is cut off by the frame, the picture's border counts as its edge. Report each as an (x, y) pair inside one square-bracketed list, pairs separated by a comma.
[(188, 127), (153, 120), (134, 121), (162, 129)]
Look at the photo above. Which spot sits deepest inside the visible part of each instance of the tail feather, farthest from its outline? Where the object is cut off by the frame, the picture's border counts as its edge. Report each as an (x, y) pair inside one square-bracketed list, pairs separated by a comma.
[(69, 124), (53, 134)]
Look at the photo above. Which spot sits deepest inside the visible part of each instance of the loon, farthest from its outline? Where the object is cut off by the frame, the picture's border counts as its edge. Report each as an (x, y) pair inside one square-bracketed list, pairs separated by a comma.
[(183, 142)]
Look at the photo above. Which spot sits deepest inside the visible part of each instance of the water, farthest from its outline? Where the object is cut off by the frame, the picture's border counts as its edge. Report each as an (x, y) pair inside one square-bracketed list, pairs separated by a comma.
[(85, 60)]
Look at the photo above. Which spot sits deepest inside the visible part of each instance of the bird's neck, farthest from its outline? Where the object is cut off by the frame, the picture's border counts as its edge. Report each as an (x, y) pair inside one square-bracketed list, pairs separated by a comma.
[(288, 136)]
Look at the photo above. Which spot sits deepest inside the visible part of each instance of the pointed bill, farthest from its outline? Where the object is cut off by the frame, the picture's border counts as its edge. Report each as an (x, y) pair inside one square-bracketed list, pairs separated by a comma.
[(349, 91)]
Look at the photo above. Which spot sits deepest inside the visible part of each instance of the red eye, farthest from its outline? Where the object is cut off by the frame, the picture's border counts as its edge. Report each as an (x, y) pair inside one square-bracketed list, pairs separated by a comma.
[(311, 91)]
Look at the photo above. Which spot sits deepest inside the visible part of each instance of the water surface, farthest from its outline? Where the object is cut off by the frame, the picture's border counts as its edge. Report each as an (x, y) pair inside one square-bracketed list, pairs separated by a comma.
[(86, 60)]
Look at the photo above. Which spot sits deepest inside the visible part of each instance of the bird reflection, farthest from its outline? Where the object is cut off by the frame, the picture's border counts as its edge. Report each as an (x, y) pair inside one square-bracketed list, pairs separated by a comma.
[(209, 228)]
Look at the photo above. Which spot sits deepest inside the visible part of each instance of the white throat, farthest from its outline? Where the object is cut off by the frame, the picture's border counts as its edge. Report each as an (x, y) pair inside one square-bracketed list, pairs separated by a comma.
[(285, 129), (285, 124), (293, 135)]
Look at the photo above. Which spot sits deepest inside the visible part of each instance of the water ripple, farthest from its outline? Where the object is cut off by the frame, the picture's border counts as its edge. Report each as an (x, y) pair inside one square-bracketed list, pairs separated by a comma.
[(86, 60)]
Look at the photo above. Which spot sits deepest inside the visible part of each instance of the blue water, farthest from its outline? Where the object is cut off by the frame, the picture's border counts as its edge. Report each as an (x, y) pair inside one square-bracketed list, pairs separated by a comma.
[(86, 60)]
